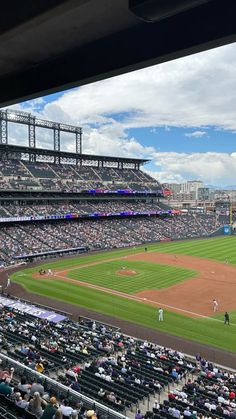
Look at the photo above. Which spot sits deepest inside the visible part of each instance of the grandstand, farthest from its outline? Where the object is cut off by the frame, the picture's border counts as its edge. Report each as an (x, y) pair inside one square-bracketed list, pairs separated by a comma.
[(54, 202), (87, 365), (95, 366), (87, 174)]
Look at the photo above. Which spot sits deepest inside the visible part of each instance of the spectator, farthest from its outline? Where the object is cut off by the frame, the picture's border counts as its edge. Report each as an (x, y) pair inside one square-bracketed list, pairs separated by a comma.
[(50, 409), (138, 415), (23, 386), (37, 387), (35, 405), (5, 387), (23, 403), (66, 409), (91, 414)]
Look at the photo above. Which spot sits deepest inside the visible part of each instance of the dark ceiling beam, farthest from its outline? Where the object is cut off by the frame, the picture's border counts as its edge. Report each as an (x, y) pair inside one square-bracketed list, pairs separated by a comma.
[(156, 10), (17, 13), (210, 25)]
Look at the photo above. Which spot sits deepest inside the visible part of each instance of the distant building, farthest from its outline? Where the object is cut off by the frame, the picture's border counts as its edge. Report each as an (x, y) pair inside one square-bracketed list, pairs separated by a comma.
[(192, 186), (203, 194), (174, 187), (232, 195)]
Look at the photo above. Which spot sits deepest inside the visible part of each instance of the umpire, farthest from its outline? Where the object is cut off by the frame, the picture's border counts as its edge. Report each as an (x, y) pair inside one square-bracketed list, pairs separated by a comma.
[(226, 318)]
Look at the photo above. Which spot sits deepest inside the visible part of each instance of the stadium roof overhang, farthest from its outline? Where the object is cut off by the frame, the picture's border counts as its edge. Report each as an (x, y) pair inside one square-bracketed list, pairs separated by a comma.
[(50, 45), (34, 153)]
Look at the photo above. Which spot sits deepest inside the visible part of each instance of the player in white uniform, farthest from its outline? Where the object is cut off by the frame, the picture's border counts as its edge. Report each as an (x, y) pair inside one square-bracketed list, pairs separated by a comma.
[(160, 314), (215, 305)]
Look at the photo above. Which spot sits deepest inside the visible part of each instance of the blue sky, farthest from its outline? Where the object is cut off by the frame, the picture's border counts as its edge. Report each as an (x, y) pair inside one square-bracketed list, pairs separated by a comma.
[(181, 115), (184, 139)]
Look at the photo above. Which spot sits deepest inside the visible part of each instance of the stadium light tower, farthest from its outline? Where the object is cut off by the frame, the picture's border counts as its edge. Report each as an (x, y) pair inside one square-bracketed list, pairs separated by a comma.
[(230, 212)]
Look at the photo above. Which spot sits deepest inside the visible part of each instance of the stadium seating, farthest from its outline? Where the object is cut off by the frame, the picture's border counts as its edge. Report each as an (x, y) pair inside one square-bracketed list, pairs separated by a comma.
[(22, 239), (211, 394), (119, 372), (71, 230), (23, 175), (115, 371), (93, 359)]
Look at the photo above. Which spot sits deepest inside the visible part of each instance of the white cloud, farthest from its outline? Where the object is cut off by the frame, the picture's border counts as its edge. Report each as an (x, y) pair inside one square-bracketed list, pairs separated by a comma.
[(165, 177), (113, 141), (193, 92), (195, 134), (211, 168)]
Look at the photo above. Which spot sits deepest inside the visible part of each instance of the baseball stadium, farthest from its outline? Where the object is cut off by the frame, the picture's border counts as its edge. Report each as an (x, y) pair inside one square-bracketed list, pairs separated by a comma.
[(115, 303), (91, 249)]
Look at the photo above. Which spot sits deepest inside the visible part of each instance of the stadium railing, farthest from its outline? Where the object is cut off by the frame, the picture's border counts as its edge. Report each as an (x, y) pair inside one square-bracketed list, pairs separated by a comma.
[(61, 389), (87, 320)]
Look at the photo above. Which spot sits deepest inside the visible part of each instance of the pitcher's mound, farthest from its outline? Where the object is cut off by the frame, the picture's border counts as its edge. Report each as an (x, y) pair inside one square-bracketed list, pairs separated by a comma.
[(127, 272)]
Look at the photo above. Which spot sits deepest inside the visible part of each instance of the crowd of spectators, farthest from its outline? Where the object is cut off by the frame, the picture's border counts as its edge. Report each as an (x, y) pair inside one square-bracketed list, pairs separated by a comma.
[(210, 395), (30, 238), (23, 175), (90, 358), (116, 370), (7, 209), (200, 218)]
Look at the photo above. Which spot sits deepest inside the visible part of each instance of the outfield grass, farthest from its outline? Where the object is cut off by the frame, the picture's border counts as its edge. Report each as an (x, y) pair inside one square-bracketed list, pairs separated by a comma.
[(220, 248), (149, 275), (209, 331)]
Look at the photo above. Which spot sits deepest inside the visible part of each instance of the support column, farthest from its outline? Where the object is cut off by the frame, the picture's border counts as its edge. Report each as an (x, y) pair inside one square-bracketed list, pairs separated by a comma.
[(3, 128), (31, 131), (57, 142), (78, 141)]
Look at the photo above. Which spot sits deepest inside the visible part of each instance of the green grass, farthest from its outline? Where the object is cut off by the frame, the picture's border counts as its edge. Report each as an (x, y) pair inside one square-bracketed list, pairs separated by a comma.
[(208, 331), (149, 275), (220, 248)]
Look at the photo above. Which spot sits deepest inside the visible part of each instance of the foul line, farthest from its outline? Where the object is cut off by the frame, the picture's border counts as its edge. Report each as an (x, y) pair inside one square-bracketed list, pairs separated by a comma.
[(133, 297)]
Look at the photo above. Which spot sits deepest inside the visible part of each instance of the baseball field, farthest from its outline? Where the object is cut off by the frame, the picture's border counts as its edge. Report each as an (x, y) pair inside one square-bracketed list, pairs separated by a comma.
[(130, 284)]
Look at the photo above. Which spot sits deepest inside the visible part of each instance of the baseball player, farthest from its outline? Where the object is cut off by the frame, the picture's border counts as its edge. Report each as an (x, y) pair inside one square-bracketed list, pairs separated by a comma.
[(226, 317), (8, 282), (160, 314), (215, 306)]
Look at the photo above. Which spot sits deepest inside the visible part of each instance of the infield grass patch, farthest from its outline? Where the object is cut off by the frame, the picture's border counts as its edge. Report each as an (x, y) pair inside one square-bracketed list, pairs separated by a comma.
[(148, 275)]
